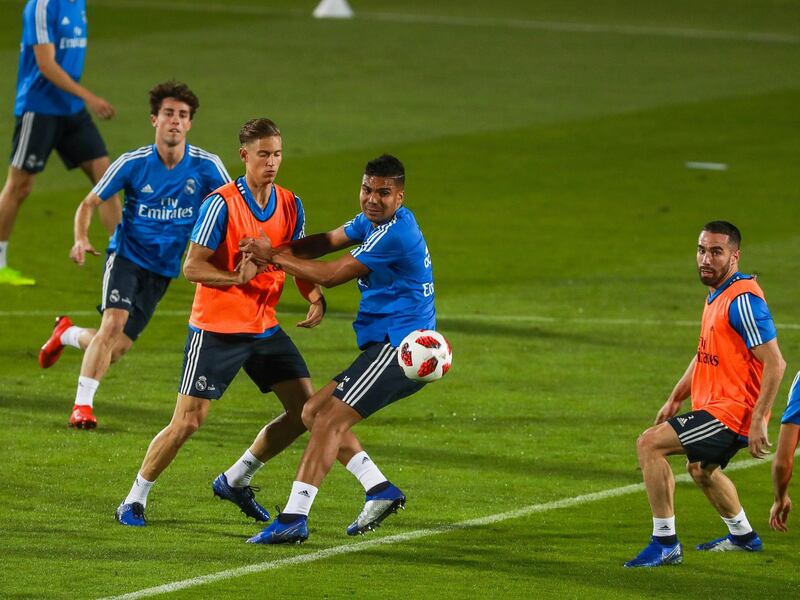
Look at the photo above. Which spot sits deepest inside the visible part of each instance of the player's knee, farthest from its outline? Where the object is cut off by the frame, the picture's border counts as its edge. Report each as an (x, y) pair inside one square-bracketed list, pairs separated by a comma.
[(19, 188), (644, 443), (113, 325), (184, 428), (308, 414)]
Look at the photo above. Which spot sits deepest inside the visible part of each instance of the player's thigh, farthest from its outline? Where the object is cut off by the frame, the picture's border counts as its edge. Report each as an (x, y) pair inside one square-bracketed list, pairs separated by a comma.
[(190, 411), (293, 394), (80, 143), (34, 138), (374, 380), (210, 362), (275, 359), (705, 439)]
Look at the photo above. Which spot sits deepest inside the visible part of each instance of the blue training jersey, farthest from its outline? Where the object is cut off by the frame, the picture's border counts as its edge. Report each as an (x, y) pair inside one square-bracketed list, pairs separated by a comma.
[(161, 205), (397, 294), (792, 413), (63, 24)]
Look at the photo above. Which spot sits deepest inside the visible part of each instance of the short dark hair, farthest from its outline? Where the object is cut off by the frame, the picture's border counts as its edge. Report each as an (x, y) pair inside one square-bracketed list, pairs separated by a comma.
[(725, 228), (173, 89), (256, 129), (387, 165)]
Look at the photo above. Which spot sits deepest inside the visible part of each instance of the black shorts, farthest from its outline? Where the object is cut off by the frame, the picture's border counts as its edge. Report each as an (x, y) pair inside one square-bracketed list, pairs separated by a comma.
[(212, 360), (374, 380), (128, 286), (706, 439), (75, 138)]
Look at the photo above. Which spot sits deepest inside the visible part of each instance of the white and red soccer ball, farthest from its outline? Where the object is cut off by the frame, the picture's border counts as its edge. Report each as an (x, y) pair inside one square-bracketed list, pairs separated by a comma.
[(424, 355)]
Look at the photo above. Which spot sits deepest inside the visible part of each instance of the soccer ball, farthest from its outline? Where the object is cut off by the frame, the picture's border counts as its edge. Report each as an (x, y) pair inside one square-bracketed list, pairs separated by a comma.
[(424, 355)]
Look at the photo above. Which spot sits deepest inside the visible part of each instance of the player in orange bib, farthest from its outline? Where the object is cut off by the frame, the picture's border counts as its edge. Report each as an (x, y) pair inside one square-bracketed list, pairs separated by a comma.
[(732, 380), (233, 326)]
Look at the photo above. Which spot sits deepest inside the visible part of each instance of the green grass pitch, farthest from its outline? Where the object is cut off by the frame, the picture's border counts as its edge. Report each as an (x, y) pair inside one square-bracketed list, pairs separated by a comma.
[(546, 145)]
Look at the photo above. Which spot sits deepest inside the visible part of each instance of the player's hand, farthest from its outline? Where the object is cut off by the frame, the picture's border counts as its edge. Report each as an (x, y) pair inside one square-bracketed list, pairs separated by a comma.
[(316, 311), (80, 249), (101, 107), (669, 410), (246, 269), (758, 442), (260, 248), (779, 513)]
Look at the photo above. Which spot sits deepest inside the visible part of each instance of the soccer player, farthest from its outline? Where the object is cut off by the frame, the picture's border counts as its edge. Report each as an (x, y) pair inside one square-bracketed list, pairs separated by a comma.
[(165, 184), (783, 463), (393, 268), (732, 379), (233, 326), (50, 111)]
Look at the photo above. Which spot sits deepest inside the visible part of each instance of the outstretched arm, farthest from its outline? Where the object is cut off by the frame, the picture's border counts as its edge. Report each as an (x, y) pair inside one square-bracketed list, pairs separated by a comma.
[(46, 61), (680, 392)]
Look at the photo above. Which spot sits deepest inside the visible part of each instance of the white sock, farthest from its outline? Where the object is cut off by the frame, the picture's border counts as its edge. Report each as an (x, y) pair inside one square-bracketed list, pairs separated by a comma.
[(366, 471), (86, 389), (141, 487), (242, 471), (3, 254), (301, 499), (71, 335), (663, 527), (738, 525)]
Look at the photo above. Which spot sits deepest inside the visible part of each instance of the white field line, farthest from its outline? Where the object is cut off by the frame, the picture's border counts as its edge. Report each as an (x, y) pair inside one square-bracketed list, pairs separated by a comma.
[(507, 23), (411, 535), (10, 314)]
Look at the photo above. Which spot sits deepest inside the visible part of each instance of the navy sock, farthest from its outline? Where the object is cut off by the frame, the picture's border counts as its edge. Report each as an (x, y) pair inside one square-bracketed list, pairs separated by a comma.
[(666, 540), (377, 489), (743, 539), (286, 518)]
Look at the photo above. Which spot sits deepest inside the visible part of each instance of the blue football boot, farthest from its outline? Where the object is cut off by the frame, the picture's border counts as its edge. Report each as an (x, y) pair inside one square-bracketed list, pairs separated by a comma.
[(243, 497), (130, 514), (376, 508), (294, 532), (731, 544), (655, 554)]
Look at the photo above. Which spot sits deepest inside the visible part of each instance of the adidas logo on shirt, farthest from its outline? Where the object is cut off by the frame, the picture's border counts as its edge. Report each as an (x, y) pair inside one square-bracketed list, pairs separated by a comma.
[(147, 189), (65, 21)]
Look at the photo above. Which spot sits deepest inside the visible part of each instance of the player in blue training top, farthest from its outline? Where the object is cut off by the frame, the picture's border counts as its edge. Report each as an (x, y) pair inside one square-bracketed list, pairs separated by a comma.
[(395, 277), (50, 111), (783, 463), (165, 184)]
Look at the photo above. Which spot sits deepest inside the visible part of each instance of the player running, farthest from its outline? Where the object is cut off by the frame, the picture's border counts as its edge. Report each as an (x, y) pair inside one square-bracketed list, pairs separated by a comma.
[(732, 379), (50, 111), (165, 184), (395, 277)]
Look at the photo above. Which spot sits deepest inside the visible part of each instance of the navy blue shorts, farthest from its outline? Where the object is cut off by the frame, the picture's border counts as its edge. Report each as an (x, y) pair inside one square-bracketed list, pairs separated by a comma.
[(374, 380), (212, 360), (128, 286), (74, 137), (706, 439)]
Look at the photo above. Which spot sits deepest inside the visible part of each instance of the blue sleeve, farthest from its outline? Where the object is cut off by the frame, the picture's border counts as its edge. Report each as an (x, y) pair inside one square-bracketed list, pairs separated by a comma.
[(357, 228), (212, 223), (115, 177), (749, 315), (792, 413), (300, 224), (39, 23), (381, 248), (216, 174)]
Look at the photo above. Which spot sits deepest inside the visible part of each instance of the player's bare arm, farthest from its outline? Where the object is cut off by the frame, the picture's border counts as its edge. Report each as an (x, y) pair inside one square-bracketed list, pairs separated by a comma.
[(46, 61), (312, 246), (769, 355), (83, 218), (680, 392), (326, 274), (198, 268), (316, 303), (782, 467)]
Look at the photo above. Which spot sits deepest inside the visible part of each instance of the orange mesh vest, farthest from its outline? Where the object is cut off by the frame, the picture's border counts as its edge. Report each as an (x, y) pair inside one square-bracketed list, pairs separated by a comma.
[(249, 308), (727, 377)]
